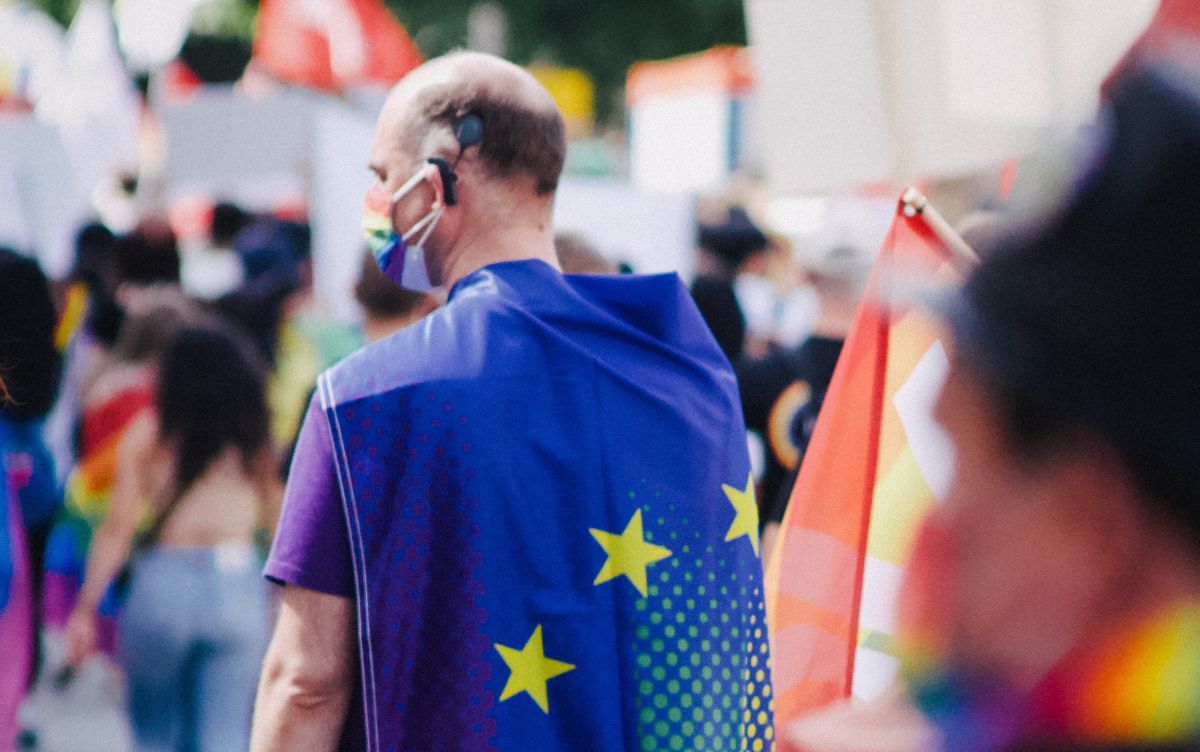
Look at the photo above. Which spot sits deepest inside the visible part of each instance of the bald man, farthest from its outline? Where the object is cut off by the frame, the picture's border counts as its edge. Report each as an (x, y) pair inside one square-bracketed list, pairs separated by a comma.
[(527, 521)]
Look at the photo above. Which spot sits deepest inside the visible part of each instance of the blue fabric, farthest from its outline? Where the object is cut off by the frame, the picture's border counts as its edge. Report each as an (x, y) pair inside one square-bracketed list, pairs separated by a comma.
[(26, 470), (483, 454), (31, 465)]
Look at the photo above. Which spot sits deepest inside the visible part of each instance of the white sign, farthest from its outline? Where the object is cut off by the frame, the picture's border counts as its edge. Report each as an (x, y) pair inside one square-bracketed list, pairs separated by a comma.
[(40, 203), (860, 91), (652, 231)]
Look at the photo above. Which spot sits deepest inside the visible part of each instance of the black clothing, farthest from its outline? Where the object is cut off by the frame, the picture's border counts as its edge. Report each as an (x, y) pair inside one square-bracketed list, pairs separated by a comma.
[(719, 306), (781, 396)]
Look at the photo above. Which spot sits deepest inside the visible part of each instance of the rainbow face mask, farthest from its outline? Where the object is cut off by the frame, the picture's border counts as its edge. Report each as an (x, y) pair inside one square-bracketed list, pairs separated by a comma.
[(403, 263)]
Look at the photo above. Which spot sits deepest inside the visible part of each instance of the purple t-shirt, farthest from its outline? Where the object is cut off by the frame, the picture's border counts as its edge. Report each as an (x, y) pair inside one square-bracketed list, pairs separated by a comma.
[(312, 547)]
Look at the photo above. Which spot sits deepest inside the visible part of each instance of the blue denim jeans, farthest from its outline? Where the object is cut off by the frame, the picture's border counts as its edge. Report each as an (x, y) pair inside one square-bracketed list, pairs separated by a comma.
[(191, 640)]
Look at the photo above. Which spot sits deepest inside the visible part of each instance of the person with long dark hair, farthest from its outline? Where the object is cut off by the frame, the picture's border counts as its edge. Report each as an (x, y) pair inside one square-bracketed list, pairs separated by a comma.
[(197, 472), (29, 498)]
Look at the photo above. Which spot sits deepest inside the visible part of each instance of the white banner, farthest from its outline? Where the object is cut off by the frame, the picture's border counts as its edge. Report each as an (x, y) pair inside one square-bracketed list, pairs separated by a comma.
[(41, 204), (859, 91)]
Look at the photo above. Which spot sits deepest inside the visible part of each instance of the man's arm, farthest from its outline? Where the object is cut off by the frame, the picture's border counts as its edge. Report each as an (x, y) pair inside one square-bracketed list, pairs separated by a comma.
[(308, 675)]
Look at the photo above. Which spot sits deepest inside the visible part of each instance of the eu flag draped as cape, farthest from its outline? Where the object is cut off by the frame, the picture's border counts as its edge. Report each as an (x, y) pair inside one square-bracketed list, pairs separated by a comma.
[(553, 531)]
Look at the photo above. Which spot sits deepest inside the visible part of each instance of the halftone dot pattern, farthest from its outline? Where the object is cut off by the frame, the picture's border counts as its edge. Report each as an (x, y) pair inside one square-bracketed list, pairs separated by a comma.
[(702, 653), (431, 656)]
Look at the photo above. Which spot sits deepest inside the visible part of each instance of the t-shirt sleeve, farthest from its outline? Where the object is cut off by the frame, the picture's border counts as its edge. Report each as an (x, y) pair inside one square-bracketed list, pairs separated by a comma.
[(312, 547)]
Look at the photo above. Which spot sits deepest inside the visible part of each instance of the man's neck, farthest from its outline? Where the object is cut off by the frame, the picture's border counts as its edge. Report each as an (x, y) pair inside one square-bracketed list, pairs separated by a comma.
[(516, 241)]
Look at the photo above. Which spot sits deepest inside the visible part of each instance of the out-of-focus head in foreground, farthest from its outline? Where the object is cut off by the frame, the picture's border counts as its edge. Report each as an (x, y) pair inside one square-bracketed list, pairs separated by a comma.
[(1072, 529)]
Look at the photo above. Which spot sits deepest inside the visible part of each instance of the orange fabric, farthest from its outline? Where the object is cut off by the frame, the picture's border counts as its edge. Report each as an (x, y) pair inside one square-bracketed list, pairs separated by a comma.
[(815, 575), (298, 41)]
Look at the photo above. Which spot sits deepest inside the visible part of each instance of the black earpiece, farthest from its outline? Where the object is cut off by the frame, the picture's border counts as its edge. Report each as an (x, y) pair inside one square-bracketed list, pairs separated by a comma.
[(449, 179), (469, 131)]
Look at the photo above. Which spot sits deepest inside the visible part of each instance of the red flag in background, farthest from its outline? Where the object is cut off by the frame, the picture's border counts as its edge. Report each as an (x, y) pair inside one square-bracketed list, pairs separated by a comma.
[(1174, 20), (873, 468), (333, 44)]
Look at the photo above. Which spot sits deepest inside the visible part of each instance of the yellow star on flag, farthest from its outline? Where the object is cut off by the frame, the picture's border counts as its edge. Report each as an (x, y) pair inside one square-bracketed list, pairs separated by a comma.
[(531, 669), (628, 554), (746, 520)]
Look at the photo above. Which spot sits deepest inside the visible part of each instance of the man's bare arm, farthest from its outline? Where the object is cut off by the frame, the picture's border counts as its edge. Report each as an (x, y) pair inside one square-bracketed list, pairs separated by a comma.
[(308, 674)]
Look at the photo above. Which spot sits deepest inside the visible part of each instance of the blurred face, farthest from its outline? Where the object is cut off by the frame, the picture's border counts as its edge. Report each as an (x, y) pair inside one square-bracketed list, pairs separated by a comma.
[(1028, 555)]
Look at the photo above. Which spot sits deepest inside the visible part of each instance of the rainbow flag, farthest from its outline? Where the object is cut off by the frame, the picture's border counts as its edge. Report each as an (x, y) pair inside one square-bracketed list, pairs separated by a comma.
[(875, 464)]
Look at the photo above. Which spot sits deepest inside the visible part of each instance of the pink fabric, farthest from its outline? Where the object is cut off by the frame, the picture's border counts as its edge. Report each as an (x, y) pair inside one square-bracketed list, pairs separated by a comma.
[(15, 623)]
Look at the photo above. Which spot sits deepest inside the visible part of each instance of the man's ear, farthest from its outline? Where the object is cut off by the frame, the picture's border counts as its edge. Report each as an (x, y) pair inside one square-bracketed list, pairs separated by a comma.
[(443, 179)]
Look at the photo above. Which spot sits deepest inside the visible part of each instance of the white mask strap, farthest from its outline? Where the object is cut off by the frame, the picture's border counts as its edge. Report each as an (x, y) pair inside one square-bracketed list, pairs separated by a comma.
[(428, 222), (411, 183)]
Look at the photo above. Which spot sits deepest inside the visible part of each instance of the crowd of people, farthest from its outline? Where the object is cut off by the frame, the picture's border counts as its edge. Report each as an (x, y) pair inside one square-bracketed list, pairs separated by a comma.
[(147, 423), (501, 515)]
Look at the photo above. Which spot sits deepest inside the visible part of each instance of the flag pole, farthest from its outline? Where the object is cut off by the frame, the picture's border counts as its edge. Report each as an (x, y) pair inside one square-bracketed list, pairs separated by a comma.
[(916, 203)]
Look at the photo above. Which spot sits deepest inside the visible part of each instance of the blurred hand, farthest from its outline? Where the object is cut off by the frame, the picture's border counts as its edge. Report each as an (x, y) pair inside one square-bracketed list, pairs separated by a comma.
[(81, 636)]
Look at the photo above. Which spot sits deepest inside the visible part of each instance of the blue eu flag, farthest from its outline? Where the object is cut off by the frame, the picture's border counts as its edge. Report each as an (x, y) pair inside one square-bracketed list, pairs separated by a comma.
[(552, 522)]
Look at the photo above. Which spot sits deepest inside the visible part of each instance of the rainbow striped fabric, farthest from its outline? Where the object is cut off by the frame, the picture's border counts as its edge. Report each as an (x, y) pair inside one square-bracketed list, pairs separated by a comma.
[(1137, 686)]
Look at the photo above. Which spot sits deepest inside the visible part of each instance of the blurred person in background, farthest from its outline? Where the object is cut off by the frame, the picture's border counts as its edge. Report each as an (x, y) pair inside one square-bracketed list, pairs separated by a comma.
[(387, 308), (776, 301), (148, 255), (89, 320), (275, 306), (1053, 600), (782, 393), (270, 275), (113, 400), (29, 495), (577, 256), (213, 269), (725, 249), (193, 627)]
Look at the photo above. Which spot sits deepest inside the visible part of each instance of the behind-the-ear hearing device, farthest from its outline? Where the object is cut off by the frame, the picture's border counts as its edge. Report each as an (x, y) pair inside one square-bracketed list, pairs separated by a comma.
[(449, 178), (468, 130)]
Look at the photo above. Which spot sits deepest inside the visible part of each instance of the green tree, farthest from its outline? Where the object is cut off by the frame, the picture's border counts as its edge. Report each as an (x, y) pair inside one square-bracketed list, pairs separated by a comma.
[(602, 38)]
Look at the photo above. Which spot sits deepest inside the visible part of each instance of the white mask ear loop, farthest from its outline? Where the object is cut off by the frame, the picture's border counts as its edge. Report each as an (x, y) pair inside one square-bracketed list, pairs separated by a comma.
[(424, 223), (428, 222), (403, 190), (411, 183)]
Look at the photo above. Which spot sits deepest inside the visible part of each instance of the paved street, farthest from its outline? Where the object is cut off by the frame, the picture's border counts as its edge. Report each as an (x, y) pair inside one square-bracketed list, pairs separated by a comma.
[(87, 716)]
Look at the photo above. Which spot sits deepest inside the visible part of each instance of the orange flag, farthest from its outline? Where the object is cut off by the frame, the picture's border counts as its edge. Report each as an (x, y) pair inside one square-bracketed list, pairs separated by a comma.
[(333, 44), (873, 468)]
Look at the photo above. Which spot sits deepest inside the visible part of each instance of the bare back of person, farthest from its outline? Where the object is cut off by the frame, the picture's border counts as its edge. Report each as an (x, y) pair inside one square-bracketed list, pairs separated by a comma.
[(224, 505)]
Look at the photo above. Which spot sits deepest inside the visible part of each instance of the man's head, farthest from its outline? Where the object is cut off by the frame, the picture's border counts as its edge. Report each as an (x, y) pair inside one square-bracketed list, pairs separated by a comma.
[(735, 239), (1073, 402), (505, 182)]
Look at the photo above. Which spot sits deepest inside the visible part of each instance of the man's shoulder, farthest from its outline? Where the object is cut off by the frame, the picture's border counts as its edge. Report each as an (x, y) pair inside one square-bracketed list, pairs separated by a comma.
[(447, 344)]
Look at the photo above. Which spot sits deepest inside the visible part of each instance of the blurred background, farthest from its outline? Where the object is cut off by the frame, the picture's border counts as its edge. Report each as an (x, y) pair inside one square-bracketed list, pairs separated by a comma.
[(757, 148)]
